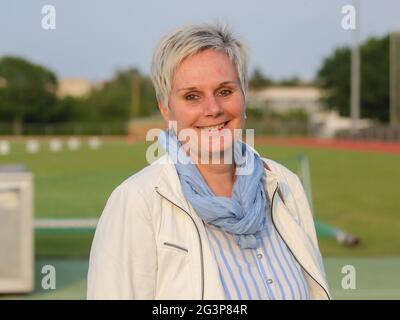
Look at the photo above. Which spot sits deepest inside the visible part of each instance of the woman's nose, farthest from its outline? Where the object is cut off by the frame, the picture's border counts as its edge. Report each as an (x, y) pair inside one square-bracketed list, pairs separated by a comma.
[(211, 107)]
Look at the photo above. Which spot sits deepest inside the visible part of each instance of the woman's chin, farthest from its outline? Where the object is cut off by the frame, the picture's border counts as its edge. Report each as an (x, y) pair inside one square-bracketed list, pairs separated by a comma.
[(216, 153), (217, 147)]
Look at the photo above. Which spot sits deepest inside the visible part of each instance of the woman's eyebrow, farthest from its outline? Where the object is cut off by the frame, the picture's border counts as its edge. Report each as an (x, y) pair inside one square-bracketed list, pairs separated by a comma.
[(221, 84)]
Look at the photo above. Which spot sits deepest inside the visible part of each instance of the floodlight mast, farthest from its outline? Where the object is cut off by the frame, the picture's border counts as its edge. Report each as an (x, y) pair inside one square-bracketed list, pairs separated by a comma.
[(355, 73), (394, 67)]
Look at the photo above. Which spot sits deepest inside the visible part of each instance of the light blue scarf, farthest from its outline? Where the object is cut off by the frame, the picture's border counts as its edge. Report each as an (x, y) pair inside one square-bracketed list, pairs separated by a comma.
[(243, 214)]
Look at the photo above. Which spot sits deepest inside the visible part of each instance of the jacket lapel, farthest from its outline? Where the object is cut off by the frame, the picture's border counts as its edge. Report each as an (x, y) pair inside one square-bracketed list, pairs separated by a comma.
[(168, 183), (291, 232)]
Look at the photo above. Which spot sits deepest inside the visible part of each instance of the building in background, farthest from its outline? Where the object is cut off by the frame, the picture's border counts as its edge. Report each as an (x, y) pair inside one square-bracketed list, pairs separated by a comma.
[(74, 87), (282, 99), (322, 123), (326, 124)]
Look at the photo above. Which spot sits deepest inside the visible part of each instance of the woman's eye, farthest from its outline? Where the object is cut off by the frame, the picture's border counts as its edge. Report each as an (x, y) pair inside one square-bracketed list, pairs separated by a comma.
[(191, 97), (225, 92)]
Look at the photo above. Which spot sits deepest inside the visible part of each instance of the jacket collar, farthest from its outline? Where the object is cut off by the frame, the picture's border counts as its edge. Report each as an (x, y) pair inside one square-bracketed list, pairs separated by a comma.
[(168, 183)]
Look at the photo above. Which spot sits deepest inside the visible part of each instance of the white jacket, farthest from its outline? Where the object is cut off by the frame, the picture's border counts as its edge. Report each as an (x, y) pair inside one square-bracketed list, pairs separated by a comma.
[(150, 243)]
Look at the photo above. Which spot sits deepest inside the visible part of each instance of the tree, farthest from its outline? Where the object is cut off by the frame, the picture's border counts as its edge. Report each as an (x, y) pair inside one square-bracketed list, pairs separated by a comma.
[(334, 78), (28, 91), (258, 80), (113, 101), (291, 82)]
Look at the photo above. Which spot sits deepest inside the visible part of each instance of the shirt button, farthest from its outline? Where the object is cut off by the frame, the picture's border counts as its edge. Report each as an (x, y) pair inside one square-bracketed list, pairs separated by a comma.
[(270, 281), (259, 255)]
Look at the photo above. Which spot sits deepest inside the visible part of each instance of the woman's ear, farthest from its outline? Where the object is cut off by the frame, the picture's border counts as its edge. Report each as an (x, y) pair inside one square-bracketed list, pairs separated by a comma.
[(164, 110)]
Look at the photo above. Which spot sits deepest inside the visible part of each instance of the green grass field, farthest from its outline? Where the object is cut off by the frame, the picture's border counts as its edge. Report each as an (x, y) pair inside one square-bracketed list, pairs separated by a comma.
[(355, 191)]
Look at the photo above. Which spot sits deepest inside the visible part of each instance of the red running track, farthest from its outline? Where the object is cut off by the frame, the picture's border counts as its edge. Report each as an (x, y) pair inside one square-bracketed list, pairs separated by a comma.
[(341, 144)]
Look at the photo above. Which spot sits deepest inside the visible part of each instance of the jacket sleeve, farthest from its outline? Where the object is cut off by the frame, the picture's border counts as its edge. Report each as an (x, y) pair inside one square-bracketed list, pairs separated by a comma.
[(122, 262)]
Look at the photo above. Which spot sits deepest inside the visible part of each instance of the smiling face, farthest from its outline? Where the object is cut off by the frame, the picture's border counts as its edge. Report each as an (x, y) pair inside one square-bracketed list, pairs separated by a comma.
[(206, 98)]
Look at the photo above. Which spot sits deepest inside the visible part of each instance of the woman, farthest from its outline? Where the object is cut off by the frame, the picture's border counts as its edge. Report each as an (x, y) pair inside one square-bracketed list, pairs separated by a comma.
[(188, 227)]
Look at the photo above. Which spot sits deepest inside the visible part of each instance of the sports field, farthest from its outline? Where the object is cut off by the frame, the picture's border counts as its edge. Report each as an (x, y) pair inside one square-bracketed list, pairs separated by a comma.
[(357, 191)]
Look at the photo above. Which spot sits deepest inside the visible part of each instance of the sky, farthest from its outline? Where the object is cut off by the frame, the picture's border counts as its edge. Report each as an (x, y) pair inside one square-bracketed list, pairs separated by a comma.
[(94, 38)]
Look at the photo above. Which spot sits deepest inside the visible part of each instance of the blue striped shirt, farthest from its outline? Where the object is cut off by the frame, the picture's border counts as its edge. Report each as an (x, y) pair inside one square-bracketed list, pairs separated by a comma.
[(267, 273)]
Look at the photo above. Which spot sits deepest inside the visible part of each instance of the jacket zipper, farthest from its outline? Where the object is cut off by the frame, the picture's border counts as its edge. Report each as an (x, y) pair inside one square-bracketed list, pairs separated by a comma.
[(273, 222), (198, 234)]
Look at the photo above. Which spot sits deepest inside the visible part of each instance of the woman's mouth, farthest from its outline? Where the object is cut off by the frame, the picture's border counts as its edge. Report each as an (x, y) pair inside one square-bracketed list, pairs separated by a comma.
[(217, 127)]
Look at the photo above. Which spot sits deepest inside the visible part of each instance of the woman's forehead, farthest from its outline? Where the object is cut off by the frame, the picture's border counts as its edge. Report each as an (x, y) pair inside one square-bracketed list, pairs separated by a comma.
[(210, 66)]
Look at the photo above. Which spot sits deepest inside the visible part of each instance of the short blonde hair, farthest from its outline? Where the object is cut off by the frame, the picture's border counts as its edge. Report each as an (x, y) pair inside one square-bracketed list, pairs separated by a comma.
[(186, 41)]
